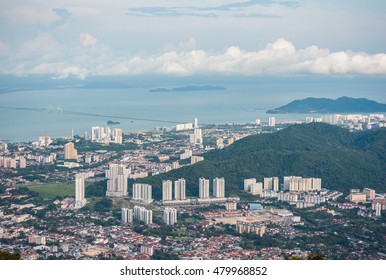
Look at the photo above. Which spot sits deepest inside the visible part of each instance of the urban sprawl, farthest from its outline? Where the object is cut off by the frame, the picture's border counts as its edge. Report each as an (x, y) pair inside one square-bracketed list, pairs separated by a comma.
[(277, 218)]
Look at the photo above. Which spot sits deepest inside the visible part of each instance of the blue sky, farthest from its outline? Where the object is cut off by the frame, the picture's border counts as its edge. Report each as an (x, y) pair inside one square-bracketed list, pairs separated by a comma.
[(66, 38)]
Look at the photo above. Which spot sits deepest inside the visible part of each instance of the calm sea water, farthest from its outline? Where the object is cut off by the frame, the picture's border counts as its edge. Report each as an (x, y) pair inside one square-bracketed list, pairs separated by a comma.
[(240, 103)]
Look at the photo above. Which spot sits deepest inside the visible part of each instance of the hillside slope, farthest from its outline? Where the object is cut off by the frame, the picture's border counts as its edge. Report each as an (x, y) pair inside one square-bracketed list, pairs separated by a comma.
[(342, 159)]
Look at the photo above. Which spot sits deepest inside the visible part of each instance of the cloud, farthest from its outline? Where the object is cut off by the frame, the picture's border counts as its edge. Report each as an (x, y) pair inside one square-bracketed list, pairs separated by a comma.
[(243, 9), (63, 15), (188, 45), (168, 11), (278, 58), (87, 40)]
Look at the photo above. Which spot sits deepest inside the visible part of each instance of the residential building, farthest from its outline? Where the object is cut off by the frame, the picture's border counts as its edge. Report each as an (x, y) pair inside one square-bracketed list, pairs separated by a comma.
[(219, 187), (170, 216), (203, 191)]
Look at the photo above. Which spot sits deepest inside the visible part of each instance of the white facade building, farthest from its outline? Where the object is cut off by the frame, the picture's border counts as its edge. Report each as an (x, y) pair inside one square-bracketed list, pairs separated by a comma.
[(203, 191), (219, 187), (167, 190), (170, 216)]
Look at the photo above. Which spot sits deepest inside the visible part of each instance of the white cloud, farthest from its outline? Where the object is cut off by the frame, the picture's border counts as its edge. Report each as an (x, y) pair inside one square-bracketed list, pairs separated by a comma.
[(87, 40), (188, 45), (277, 58)]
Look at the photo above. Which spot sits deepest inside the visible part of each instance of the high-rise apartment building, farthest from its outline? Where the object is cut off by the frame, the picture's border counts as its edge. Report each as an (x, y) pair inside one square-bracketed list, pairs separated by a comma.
[(170, 216), (180, 189), (144, 215), (248, 183), (80, 199), (117, 180), (196, 137), (167, 190), (219, 187), (370, 193), (117, 135), (271, 121), (70, 152), (127, 215), (142, 192), (271, 183), (203, 191)]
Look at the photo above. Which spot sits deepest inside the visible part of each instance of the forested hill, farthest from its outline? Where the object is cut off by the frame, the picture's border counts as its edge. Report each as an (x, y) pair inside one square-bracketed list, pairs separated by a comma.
[(325, 105), (342, 159)]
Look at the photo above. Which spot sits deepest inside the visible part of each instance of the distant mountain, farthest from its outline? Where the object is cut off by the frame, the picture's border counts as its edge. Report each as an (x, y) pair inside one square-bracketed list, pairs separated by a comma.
[(188, 88), (343, 159), (325, 105)]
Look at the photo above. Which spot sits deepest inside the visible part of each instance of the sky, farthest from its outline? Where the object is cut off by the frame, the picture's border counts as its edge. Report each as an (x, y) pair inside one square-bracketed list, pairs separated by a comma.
[(72, 38)]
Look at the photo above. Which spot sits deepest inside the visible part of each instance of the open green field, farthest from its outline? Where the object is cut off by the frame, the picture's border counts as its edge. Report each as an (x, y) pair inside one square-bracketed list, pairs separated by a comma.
[(53, 190)]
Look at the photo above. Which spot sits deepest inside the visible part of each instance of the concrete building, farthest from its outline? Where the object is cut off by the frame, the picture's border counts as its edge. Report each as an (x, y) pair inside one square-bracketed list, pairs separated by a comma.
[(271, 121), (203, 191), (370, 193), (231, 206), (80, 199), (257, 188), (127, 215), (196, 137), (117, 180), (255, 228), (378, 209), (195, 159), (170, 216), (22, 163), (357, 197), (248, 183), (180, 189), (117, 136), (299, 184), (142, 192), (219, 187), (167, 190), (143, 215), (147, 249), (70, 152)]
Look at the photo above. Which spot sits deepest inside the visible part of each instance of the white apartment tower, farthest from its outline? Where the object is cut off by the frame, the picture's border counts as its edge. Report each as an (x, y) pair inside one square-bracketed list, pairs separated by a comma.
[(143, 215), (271, 183), (170, 216), (80, 199), (180, 189), (196, 137), (203, 191), (142, 192), (117, 135), (117, 180), (248, 183), (167, 190), (219, 187), (271, 121), (127, 215)]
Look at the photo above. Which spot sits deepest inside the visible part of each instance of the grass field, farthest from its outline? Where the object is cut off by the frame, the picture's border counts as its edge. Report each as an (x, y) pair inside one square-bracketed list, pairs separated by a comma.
[(53, 190)]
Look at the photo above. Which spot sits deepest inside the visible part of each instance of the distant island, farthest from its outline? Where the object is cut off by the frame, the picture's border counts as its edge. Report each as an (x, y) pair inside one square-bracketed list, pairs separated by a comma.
[(188, 88), (325, 105), (113, 123)]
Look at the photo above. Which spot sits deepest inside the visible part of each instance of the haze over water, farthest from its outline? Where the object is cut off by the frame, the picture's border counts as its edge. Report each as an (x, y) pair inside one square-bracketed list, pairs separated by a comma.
[(242, 102)]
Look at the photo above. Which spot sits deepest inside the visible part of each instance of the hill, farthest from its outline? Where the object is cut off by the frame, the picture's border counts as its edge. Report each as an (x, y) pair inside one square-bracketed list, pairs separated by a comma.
[(343, 160), (326, 105)]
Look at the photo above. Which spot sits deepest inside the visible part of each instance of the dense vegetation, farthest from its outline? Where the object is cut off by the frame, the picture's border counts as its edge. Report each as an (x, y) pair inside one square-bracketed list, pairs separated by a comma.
[(342, 159), (325, 105), (9, 256)]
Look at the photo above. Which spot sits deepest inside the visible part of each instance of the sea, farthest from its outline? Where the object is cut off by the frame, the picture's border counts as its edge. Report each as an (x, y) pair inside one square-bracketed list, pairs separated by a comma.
[(47, 112)]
